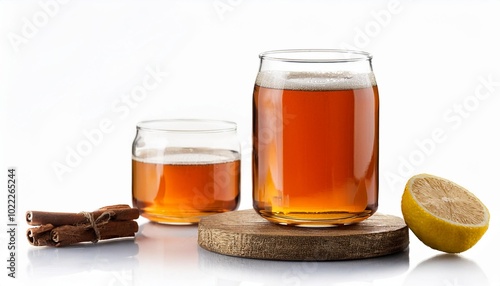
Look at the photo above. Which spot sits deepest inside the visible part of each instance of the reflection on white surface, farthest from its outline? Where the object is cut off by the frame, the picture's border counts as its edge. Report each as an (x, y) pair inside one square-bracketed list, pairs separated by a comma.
[(172, 253), (162, 254), (108, 256), (447, 269), (167, 253), (302, 273)]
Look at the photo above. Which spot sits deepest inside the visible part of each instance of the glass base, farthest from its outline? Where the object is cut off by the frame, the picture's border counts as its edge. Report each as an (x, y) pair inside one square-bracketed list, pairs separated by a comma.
[(319, 219), (163, 219), (167, 215)]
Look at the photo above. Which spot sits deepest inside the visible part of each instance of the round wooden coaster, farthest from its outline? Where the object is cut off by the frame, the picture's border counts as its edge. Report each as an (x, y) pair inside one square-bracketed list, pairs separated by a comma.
[(246, 234)]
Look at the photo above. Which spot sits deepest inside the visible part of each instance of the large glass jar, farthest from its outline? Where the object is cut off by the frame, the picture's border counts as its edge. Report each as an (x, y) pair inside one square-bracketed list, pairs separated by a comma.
[(315, 134)]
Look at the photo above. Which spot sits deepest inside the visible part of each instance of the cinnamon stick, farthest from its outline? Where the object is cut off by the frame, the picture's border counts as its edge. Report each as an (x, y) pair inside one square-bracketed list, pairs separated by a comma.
[(40, 236), (61, 229), (119, 213), (47, 235), (69, 234)]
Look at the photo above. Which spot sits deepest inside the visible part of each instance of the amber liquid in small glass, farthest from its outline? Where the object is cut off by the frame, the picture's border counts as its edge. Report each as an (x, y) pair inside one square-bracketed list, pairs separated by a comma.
[(193, 183), (315, 158)]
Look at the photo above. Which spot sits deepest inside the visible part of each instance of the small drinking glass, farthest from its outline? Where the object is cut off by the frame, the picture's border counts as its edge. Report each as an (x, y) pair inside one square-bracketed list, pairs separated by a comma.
[(185, 169)]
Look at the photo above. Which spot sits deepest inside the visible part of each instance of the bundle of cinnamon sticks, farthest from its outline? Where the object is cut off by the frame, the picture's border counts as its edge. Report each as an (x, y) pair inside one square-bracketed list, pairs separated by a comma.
[(61, 229)]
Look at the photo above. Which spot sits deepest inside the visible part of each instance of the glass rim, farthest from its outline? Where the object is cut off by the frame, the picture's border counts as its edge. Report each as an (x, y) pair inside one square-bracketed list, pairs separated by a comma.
[(187, 125), (306, 55)]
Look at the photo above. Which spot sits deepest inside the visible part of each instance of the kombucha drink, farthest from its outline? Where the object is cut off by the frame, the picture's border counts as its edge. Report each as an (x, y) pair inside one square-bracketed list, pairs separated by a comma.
[(182, 185), (315, 153)]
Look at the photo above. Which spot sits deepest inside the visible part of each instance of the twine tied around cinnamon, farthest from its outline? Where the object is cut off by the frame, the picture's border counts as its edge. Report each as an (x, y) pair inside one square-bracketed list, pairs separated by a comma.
[(96, 223), (62, 229)]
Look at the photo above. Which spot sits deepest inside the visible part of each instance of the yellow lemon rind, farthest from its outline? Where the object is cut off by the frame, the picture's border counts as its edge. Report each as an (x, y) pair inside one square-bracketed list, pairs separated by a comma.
[(438, 233)]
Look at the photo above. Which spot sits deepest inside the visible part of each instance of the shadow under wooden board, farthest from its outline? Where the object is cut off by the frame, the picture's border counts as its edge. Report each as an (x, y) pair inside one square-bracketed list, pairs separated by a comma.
[(246, 234)]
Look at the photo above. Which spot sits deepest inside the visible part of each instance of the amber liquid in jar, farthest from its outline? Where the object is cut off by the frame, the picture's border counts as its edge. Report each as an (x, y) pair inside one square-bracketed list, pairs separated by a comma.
[(186, 184), (315, 152)]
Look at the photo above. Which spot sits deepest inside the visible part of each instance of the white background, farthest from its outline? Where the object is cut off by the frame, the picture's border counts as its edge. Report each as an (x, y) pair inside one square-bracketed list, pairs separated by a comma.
[(68, 68)]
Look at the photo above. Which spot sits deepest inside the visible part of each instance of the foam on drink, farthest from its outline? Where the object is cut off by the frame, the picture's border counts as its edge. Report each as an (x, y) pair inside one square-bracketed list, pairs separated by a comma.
[(315, 80), (187, 156)]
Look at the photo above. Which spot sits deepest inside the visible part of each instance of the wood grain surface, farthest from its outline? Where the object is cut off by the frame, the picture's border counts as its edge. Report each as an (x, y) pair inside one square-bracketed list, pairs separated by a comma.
[(246, 234)]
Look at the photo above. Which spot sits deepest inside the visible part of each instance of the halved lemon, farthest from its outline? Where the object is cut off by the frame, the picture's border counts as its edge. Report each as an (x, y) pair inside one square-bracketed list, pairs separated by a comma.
[(442, 214)]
